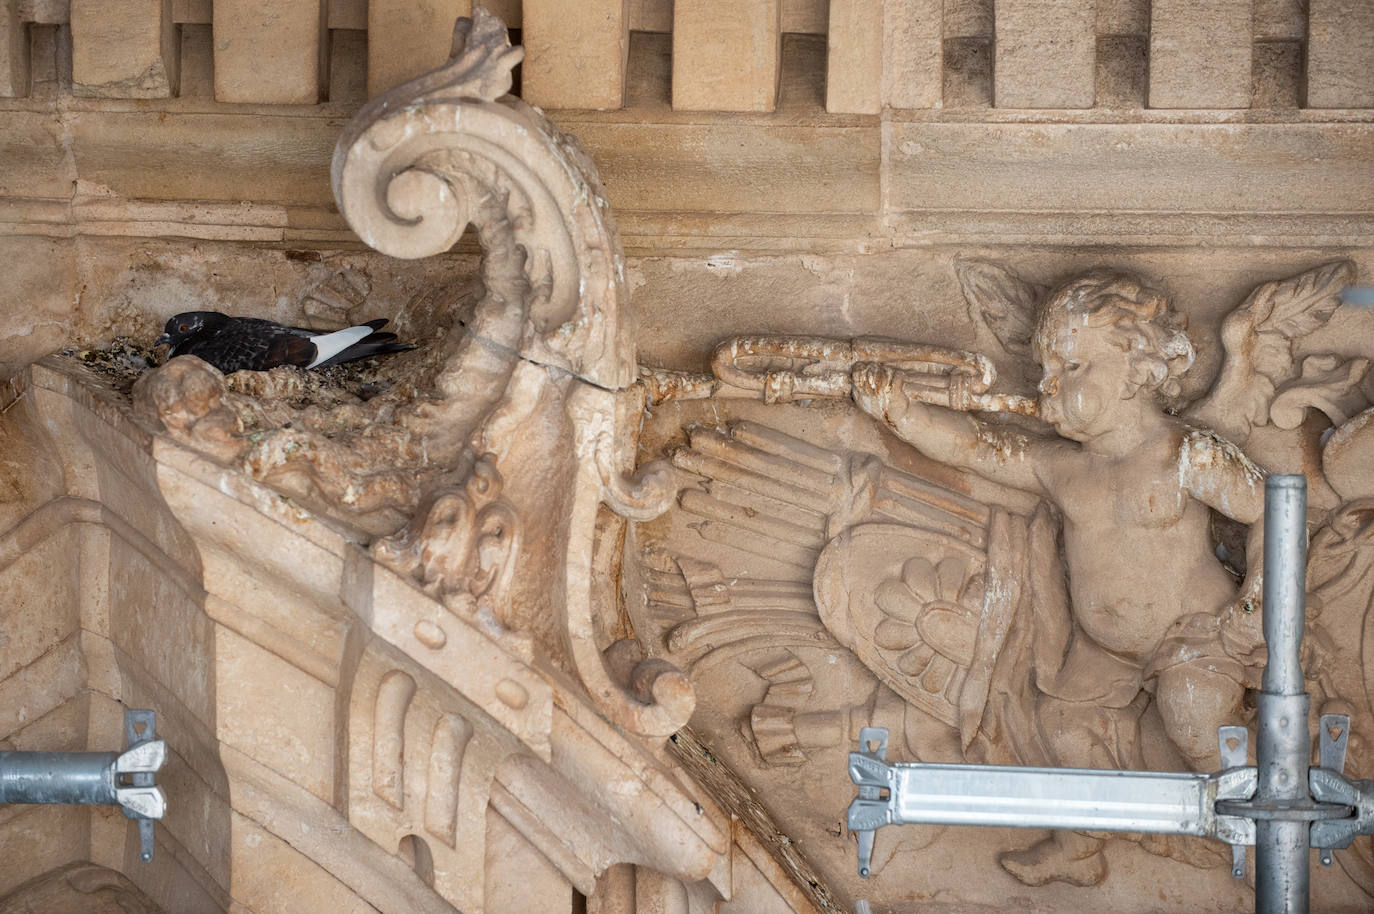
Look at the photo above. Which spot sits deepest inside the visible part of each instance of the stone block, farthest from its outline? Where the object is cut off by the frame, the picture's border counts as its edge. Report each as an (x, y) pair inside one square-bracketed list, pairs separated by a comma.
[(854, 58), (406, 38), (48, 75), (1200, 53), (1277, 79), (276, 878), (1122, 66), (726, 55), (268, 52), (912, 53), (713, 168), (14, 51), (294, 738), (967, 72), (575, 53), (162, 629), (519, 878), (124, 48), (1117, 168), (42, 595), (650, 15), (1045, 54), (1340, 54), (805, 17), (1279, 20), (36, 839), (348, 14), (348, 66)]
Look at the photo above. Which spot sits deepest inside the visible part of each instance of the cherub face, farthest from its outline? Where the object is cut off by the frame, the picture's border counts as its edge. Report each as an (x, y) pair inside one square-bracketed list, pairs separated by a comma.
[(1086, 374)]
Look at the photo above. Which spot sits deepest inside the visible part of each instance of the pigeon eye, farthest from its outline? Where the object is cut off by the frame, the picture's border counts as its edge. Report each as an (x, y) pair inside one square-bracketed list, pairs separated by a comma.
[(184, 327)]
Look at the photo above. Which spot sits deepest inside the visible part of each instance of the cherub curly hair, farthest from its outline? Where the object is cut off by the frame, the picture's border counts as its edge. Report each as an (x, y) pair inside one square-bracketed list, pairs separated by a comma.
[(1151, 331)]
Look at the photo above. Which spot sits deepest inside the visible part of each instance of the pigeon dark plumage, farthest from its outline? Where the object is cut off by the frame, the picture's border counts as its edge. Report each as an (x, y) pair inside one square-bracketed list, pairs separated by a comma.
[(252, 344)]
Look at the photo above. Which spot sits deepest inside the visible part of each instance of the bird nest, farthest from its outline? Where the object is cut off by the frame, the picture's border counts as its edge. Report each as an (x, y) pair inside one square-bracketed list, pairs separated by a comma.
[(334, 439), (124, 360)]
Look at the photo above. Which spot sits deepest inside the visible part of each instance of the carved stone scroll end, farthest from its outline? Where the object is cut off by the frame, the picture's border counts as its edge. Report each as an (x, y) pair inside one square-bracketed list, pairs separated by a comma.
[(663, 692)]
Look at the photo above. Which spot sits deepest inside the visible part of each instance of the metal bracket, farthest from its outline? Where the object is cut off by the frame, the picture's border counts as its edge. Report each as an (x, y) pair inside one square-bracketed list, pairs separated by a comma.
[(122, 779), (1234, 745), (1330, 785), (872, 809)]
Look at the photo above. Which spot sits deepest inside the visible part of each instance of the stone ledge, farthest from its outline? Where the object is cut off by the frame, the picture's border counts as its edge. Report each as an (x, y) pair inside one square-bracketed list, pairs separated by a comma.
[(746, 182)]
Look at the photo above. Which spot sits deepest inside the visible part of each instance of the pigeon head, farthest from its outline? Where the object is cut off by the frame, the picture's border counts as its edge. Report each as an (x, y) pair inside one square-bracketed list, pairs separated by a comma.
[(188, 325)]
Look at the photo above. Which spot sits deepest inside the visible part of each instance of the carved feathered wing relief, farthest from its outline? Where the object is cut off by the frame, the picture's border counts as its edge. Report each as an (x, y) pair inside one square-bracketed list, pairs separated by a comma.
[(777, 544), (1262, 378), (1002, 299)]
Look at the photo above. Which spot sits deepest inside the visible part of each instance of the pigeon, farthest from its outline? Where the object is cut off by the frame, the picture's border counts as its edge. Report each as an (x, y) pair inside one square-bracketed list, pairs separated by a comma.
[(253, 344)]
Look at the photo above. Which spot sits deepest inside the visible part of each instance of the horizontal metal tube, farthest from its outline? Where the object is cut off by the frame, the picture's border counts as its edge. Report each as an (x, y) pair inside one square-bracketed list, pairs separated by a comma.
[(1089, 799), (57, 777)]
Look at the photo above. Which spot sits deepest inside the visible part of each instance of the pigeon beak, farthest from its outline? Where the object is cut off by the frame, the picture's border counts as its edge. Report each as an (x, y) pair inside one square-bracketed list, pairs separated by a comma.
[(163, 340)]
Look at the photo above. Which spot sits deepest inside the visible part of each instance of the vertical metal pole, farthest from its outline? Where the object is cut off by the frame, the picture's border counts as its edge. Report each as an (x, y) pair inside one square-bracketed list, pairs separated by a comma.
[(1284, 747)]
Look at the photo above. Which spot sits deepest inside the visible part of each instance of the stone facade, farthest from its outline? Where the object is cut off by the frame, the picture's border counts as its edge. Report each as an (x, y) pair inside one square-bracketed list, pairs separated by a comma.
[(802, 367)]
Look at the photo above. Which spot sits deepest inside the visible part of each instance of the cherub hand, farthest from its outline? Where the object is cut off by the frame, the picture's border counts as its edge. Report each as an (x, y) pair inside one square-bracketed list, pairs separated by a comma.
[(1242, 628), (878, 391)]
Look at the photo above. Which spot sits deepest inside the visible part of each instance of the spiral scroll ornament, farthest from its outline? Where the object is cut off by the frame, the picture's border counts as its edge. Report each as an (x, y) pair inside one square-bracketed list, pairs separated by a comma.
[(547, 348), (422, 162)]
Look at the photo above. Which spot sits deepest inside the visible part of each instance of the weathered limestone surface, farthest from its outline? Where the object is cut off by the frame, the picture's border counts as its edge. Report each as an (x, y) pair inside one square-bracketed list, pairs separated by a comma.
[(725, 55), (575, 54), (1340, 57), (268, 52), (854, 57), (1200, 53), (405, 39), (429, 649), (1045, 54), (126, 49), (14, 51), (913, 54)]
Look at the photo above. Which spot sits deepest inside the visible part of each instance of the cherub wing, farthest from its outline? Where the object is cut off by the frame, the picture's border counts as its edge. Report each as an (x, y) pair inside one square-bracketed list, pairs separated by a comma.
[(1260, 339), (779, 543), (1005, 302)]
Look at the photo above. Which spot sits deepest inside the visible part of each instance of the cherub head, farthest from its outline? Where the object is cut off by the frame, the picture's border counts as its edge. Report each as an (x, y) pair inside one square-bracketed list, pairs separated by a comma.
[(1102, 338)]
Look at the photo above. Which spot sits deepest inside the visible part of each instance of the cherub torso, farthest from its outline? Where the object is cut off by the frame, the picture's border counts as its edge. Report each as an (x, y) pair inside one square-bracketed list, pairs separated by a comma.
[(1138, 546)]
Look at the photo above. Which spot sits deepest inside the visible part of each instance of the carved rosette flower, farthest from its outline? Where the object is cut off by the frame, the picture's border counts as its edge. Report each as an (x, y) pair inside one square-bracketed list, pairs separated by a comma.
[(931, 617)]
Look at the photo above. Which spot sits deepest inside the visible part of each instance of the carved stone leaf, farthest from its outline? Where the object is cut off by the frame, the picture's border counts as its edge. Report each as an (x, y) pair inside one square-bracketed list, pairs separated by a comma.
[(1297, 306)]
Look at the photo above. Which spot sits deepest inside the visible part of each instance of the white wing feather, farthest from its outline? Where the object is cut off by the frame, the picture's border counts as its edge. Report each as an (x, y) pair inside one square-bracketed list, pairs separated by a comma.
[(328, 345)]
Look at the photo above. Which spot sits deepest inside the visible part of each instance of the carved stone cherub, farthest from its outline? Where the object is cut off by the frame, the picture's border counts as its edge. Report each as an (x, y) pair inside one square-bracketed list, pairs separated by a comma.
[(1154, 629)]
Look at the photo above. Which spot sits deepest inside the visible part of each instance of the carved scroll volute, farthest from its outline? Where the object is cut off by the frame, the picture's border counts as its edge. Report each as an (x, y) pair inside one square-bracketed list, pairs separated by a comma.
[(424, 160), (413, 169), (646, 696)]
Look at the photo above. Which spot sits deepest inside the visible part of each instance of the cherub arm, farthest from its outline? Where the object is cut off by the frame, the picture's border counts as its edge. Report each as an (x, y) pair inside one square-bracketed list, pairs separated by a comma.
[(955, 438), (1218, 474)]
